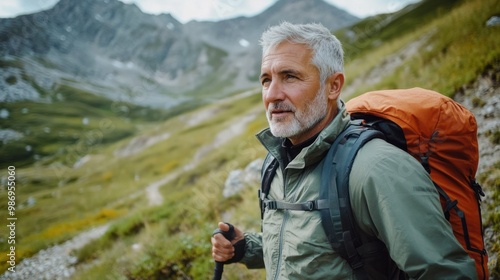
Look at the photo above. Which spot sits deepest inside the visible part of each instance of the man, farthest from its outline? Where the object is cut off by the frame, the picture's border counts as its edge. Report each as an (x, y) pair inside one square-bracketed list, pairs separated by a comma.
[(392, 197)]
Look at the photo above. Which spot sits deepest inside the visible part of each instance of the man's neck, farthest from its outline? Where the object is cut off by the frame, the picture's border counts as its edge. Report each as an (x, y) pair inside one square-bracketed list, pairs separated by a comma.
[(293, 150)]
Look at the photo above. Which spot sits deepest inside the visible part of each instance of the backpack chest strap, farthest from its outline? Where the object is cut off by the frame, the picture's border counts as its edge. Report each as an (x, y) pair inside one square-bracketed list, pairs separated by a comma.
[(311, 205)]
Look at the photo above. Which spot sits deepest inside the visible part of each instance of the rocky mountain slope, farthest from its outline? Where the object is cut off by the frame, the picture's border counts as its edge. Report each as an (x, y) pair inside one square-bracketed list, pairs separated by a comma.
[(104, 57), (114, 49)]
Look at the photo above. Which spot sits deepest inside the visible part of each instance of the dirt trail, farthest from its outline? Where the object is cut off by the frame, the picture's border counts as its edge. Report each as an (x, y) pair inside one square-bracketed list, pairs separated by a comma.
[(56, 262), (235, 128)]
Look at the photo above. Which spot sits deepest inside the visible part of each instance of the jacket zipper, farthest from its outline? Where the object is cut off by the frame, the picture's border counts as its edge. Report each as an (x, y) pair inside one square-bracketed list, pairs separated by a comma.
[(280, 245), (282, 229)]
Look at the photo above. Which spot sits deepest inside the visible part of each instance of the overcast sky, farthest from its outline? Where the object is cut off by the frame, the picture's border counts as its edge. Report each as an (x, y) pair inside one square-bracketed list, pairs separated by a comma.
[(186, 10)]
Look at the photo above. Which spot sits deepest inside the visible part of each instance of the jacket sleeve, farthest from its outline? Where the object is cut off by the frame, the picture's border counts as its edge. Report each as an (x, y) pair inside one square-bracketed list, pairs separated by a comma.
[(394, 199), (253, 257)]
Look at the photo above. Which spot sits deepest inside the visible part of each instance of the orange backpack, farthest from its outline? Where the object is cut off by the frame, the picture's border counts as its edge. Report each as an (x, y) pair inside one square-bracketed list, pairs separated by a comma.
[(442, 135)]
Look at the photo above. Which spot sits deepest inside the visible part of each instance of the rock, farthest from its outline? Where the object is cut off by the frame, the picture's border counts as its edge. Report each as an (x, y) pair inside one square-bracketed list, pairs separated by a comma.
[(493, 21), (9, 135), (233, 183), (239, 179), (13, 88)]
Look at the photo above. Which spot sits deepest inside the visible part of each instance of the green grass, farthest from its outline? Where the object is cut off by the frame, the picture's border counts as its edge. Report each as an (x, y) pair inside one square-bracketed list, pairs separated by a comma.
[(491, 180), (370, 33), (460, 48), (108, 187), (179, 228), (462, 53), (57, 129)]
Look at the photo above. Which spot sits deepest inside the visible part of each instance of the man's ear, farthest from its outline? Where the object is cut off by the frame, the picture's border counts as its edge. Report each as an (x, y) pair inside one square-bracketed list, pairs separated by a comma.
[(335, 82)]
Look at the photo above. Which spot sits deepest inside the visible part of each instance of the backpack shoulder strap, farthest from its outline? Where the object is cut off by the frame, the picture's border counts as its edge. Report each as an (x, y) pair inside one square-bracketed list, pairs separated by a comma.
[(338, 221), (269, 168)]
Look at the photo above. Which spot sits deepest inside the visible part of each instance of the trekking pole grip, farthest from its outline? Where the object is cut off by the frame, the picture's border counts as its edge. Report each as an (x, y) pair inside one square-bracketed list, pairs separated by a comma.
[(219, 266)]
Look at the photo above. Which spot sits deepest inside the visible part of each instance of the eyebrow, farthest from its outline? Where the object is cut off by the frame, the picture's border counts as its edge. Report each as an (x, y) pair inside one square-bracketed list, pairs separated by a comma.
[(282, 72), (289, 71)]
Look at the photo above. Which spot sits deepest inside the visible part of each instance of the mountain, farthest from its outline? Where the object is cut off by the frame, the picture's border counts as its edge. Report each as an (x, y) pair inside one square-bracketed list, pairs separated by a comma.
[(62, 70), (113, 49), (228, 34), (239, 37), (98, 44)]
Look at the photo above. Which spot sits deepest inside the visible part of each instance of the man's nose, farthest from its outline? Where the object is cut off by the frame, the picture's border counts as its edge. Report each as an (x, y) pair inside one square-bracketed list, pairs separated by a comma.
[(275, 92)]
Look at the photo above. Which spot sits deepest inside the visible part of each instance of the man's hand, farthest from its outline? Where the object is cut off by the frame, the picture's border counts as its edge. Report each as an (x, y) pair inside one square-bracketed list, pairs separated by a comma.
[(223, 250)]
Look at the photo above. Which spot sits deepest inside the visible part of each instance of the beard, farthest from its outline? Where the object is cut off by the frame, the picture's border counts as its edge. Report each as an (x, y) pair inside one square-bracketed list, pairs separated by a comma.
[(302, 120)]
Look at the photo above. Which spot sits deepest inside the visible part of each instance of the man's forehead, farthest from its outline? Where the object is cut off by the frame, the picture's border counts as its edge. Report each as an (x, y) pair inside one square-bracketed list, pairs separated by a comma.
[(286, 55), (287, 46)]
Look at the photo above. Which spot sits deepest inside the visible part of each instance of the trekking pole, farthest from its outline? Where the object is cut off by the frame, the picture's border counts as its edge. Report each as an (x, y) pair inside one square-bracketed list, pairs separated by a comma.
[(219, 266)]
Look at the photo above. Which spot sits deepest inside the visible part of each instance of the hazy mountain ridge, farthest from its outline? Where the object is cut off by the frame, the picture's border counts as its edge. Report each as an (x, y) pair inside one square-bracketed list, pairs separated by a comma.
[(117, 47), (227, 34), (80, 54)]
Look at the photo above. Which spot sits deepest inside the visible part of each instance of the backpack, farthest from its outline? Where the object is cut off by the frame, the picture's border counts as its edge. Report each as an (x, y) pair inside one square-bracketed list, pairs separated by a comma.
[(439, 132)]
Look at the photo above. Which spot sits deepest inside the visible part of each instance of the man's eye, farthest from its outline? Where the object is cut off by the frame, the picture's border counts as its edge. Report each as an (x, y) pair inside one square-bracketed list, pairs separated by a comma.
[(289, 77), (265, 82)]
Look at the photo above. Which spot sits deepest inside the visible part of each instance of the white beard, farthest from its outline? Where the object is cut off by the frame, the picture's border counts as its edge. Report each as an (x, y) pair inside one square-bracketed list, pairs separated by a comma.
[(302, 121)]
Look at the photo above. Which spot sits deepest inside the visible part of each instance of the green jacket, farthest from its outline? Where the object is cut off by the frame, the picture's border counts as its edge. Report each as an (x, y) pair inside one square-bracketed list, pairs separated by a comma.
[(393, 200)]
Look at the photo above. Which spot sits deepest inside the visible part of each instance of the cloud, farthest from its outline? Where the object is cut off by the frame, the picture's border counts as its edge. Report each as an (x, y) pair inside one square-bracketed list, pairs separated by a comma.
[(364, 8), (8, 8), (19, 7), (233, 8), (186, 10), (181, 9), (214, 10)]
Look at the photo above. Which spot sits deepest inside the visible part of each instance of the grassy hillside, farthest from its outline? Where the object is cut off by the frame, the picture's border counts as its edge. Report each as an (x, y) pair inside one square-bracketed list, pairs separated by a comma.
[(69, 123), (171, 241), (374, 31), (111, 182), (455, 46)]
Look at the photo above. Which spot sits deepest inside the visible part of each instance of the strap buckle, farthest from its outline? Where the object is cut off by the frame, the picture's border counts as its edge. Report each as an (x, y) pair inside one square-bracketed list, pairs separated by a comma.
[(309, 205), (271, 205)]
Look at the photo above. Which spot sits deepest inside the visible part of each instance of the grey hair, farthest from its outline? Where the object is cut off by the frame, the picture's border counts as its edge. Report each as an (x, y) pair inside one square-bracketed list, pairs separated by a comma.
[(328, 55)]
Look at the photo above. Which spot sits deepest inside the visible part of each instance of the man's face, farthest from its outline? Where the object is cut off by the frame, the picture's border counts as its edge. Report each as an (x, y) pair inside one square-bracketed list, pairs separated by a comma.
[(296, 103)]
